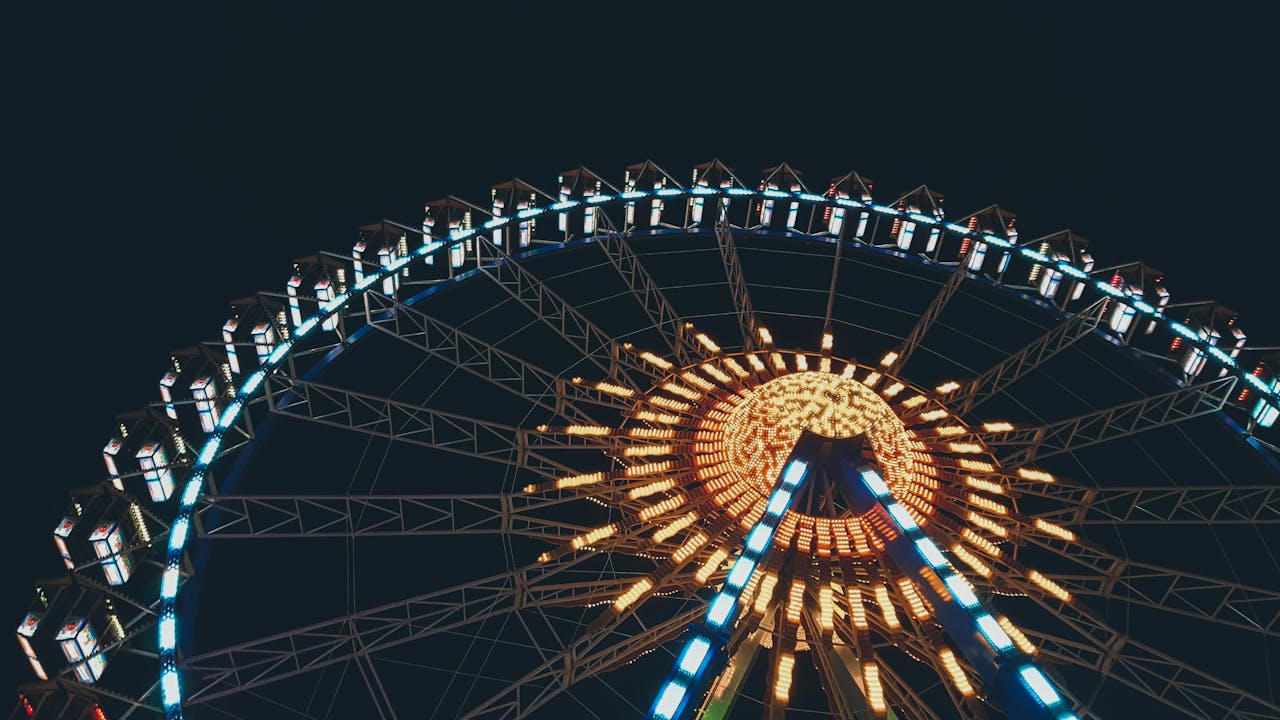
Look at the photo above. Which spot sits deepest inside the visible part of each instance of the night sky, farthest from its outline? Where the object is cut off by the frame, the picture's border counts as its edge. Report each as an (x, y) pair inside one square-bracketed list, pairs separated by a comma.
[(163, 161)]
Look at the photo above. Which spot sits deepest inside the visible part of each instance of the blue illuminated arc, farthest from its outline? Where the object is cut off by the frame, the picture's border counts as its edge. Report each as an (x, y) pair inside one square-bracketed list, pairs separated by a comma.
[(170, 686)]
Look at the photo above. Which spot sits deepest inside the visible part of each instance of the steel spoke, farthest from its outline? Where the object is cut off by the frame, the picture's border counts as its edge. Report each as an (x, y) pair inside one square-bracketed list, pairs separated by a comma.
[(328, 516), (930, 315), (1141, 667), (589, 655), (593, 344), (747, 321), (1135, 505), (476, 356), (405, 422), (259, 662), (1034, 354), (1017, 447), (662, 314)]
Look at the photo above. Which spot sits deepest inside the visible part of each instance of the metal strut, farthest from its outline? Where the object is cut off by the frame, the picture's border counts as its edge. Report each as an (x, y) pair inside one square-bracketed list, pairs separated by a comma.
[(1018, 447), (737, 282), (594, 344), (1145, 505), (662, 315), (409, 423), (477, 357), (245, 666), (1000, 376), (930, 314), (327, 516), (831, 290)]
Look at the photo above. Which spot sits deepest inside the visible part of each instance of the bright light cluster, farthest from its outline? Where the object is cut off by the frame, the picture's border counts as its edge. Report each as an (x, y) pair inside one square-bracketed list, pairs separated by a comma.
[(701, 451)]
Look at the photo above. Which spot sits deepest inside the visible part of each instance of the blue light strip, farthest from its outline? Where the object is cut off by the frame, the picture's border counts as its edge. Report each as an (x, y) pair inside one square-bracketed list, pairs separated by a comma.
[(1030, 677), (706, 644), (171, 691)]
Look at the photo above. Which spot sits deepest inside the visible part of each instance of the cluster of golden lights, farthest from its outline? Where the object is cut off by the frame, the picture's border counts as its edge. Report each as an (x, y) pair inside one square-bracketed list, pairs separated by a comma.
[(699, 453)]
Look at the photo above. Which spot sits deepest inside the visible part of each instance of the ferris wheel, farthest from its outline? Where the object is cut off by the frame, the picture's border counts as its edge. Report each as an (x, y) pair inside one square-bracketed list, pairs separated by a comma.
[(685, 449)]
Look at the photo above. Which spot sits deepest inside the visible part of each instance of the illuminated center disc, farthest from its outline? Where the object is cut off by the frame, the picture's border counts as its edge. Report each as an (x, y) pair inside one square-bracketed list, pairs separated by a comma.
[(762, 430)]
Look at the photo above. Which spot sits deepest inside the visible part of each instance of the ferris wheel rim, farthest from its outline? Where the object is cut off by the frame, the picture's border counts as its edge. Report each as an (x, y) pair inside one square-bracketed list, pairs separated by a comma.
[(170, 683)]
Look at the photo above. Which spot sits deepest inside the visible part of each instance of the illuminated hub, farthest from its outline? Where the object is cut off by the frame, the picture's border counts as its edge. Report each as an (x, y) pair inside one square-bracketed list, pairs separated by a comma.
[(703, 447), (697, 462)]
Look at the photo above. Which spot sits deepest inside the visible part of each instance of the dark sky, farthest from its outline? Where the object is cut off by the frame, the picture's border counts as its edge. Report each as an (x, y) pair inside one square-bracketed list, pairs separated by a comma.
[(164, 160)]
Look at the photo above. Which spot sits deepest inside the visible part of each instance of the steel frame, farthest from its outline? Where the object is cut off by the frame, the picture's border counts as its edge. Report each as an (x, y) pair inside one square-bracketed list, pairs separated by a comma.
[(1145, 505), (1119, 421), (329, 516), (248, 665), (405, 422), (479, 357), (1209, 599), (747, 321), (1156, 675), (662, 314), (1018, 447), (1000, 376), (577, 330), (930, 315)]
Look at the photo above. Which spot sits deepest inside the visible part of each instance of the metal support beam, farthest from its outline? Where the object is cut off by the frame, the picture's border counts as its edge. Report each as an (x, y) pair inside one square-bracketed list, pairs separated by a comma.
[(405, 422), (245, 666), (1158, 676), (1209, 599), (475, 356), (831, 290), (1132, 505), (737, 284), (661, 313), (930, 315), (592, 343), (66, 698), (1000, 376), (329, 516), (586, 657), (1118, 657), (837, 677), (1018, 447), (373, 682)]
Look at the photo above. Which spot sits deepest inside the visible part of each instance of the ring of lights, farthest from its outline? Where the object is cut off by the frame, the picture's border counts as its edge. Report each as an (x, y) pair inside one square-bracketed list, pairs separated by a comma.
[(170, 684)]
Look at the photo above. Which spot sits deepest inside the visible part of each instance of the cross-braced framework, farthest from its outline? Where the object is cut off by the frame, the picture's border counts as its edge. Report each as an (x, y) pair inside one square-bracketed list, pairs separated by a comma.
[(534, 452)]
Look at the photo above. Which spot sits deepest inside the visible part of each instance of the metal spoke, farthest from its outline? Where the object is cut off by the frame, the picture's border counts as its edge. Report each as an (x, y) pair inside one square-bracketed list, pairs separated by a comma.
[(589, 655), (1141, 667), (328, 516), (999, 377), (900, 692), (592, 343), (1134, 505), (835, 674), (75, 700), (405, 422), (1017, 447), (831, 289), (661, 313), (1210, 599), (1158, 676), (737, 283), (262, 661), (930, 314), (373, 683), (476, 356)]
